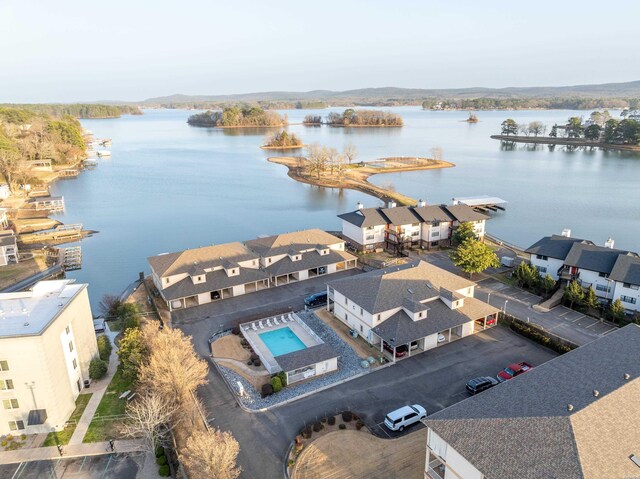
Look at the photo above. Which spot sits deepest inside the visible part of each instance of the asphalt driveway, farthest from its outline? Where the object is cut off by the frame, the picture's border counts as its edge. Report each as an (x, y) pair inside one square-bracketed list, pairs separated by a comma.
[(116, 466)]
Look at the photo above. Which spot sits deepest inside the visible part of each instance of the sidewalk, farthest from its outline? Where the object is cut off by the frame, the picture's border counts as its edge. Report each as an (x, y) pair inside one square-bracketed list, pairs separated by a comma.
[(76, 450), (90, 410)]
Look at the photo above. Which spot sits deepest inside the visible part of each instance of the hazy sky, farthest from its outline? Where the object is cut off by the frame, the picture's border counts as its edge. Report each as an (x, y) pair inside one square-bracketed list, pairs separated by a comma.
[(72, 50)]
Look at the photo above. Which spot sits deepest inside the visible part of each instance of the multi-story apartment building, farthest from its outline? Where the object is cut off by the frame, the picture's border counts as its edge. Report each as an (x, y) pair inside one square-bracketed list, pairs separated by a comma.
[(46, 344)]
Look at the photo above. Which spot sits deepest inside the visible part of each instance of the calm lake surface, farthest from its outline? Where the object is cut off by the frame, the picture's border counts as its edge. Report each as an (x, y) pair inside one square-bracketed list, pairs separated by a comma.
[(169, 186)]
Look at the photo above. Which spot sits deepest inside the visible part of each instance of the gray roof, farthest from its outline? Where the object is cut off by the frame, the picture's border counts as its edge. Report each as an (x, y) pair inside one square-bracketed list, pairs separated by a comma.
[(402, 329), (626, 269), (400, 215), (296, 241), (7, 240), (306, 357), (464, 213), (214, 281), (554, 246), (523, 428), (365, 217), (433, 213), (309, 260), (382, 290), (592, 257)]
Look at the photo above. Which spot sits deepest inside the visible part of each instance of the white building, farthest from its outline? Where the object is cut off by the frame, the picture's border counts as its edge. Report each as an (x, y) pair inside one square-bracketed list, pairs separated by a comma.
[(400, 227), (46, 344), (548, 254), (412, 307), (8, 248), (574, 417)]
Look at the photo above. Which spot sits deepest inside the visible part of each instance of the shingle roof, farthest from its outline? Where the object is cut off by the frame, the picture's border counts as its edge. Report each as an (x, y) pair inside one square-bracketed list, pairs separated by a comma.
[(523, 427), (626, 269), (465, 213), (433, 214), (402, 329), (592, 257), (382, 290), (7, 240), (400, 215), (306, 357), (554, 246), (215, 280), (365, 217), (206, 257), (309, 260), (296, 241)]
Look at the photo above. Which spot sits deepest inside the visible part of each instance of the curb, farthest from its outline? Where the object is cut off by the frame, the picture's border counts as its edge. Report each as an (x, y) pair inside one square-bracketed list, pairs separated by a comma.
[(285, 463)]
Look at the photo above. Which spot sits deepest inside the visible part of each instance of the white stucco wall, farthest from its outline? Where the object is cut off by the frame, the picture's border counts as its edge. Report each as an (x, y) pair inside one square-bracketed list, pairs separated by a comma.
[(621, 290), (594, 279), (457, 467), (352, 232), (552, 265)]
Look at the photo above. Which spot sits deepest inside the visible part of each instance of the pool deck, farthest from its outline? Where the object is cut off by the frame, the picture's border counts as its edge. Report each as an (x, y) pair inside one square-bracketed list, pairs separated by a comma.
[(291, 321)]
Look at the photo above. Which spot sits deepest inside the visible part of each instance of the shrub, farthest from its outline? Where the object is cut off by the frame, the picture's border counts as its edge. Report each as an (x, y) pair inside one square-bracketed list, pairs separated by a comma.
[(342, 426), (235, 330), (249, 362), (162, 460), (276, 384), (257, 362), (254, 356), (23, 436), (243, 342), (359, 424), (159, 451), (323, 420), (164, 471), (267, 390), (3, 443), (9, 438), (306, 432), (331, 420), (283, 378), (291, 462), (317, 427), (104, 347), (97, 368), (347, 416)]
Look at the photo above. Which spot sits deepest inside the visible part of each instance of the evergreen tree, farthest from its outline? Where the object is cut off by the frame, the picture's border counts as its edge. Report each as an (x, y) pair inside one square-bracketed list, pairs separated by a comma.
[(463, 232), (617, 311), (590, 299), (574, 294), (473, 256), (547, 283)]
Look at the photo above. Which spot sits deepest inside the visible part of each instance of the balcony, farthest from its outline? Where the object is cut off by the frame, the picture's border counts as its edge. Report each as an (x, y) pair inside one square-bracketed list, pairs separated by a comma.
[(435, 470), (566, 274)]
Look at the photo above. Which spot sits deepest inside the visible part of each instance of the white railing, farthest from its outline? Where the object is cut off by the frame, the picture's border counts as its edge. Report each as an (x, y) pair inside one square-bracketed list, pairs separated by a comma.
[(307, 328)]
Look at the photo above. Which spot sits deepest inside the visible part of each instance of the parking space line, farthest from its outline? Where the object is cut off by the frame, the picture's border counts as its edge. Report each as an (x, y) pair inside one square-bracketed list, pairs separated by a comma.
[(18, 470), (107, 466), (578, 318), (609, 330), (593, 324), (566, 312)]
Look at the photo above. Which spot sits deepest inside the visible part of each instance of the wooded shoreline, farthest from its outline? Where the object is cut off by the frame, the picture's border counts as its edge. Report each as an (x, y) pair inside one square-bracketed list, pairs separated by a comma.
[(549, 140)]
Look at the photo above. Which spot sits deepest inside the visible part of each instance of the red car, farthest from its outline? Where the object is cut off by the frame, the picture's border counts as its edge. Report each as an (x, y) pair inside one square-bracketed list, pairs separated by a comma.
[(514, 370), (401, 350)]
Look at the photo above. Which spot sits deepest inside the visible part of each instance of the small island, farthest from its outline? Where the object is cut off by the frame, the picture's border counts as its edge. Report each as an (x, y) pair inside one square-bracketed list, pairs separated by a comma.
[(599, 131), (282, 141), (355, 118), (329, 168), (238, 117), (312, 120), (472, 118)]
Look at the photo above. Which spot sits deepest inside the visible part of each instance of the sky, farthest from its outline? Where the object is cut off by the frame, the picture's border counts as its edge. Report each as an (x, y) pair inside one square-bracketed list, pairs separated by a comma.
[(72, 50)]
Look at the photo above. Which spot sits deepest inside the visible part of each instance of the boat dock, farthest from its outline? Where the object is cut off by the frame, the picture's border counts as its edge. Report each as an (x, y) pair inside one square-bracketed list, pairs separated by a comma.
[(63, 233), (482, 203), (50, 203)]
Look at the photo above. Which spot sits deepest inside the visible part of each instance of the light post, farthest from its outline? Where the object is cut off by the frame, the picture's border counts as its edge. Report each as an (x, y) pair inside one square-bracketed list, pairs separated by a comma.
[(489, 297), (504, 308)]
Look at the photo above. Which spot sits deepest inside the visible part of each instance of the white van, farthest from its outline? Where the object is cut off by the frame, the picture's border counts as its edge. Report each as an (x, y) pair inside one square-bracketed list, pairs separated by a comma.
[(404, 417)]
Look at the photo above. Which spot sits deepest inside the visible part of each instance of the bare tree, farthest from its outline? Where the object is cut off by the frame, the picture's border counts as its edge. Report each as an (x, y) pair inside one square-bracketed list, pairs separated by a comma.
[(535, 127), (317, 159), (332, 158), (10, 167), (211, 454), (436, 153), (350, 152), (340, 162), (149, 417)]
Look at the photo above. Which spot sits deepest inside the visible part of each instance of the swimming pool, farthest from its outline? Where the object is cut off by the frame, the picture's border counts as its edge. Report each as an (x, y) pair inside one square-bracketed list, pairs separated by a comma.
[(282, 341)]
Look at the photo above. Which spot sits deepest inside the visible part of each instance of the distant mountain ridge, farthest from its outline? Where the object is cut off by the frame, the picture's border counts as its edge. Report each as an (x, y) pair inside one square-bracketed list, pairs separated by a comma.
[(604, 90)]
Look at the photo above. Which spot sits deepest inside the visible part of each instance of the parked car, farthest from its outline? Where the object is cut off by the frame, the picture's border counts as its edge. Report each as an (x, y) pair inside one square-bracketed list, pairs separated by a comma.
[(491, 322), (401, 350), (404, 417), (477, 385), (316, 299), (215, 295), (513, 370), (441, 338)]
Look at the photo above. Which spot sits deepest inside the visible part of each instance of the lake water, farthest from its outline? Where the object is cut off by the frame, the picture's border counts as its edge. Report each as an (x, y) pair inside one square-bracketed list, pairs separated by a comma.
[(169, 186)]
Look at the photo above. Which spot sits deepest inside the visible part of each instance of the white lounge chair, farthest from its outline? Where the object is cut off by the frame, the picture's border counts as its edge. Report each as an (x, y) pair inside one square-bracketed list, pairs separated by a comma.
[(253, 326), (260, 325), (275, 322), (269, 322), (282, 318), (291, 317)]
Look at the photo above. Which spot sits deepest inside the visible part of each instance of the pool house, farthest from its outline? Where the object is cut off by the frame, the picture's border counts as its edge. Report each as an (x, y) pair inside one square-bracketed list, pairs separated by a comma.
[(286, 343)]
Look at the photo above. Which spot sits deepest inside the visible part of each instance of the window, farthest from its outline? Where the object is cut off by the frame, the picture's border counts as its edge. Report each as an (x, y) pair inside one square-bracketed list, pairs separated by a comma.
[(6, 384), (361, 329), (4, 365), (370, 228), (628, 299), (16, 425), (420, 315), (269, 260), (603, 275), (435, 234), (415, 233), (346, 300), (602, 287), (67, 329), (70, 346), (370, 236), (254, 262), (10, 404), (542, 257), (541, 269), (379, 317), (166, 280), (625, 285), (75, 363)]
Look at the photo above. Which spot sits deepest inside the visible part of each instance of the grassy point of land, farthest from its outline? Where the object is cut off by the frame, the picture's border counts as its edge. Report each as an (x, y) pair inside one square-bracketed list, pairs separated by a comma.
[(13, 273), (64, 436), (105, 422)]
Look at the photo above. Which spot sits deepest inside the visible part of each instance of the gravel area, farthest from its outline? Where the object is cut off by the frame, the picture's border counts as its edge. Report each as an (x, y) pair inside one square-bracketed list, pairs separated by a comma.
[(348, 366)]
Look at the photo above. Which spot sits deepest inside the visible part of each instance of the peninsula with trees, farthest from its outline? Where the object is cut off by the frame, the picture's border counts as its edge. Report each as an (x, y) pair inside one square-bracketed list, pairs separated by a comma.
[(77, 110), (600, 130), (282, 141), (238, 117)]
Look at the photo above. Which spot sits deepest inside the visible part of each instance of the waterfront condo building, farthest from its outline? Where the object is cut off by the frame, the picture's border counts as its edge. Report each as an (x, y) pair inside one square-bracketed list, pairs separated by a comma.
[(409, 308), (612, 273), (211, 273), (8, 248), (574, 417), (405, 227), (46, 344)]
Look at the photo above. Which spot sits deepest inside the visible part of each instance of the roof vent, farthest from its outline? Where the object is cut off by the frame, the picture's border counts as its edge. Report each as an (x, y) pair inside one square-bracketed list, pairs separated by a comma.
[(25, 310), (609, 243), (596, 393), (566, 233), (26, 325), (569, 407), (422, 203), (360, 205), (627, 376)]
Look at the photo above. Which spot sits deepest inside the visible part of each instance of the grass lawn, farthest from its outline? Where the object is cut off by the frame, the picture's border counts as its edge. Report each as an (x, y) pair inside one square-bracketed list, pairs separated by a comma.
[(12, 273), (67, 432), (115, 324), (110, 405)]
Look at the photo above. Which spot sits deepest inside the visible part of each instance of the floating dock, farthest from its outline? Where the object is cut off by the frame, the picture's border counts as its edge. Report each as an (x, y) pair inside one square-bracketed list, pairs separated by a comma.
[(482, 203), (50, 203)]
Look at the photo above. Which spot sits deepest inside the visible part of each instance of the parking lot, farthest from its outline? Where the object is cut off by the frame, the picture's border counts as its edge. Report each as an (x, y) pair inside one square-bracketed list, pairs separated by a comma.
[(580, 320), (116, 466)]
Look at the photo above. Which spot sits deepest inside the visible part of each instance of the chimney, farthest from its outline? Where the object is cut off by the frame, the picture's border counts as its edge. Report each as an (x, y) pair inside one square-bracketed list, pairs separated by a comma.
[(392, 204), (566, 233), (609, 243), (421, 203), (360, 205)]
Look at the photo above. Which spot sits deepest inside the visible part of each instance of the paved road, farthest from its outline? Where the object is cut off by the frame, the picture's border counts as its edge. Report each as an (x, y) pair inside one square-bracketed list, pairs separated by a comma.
[(116, 466), (434, 379)]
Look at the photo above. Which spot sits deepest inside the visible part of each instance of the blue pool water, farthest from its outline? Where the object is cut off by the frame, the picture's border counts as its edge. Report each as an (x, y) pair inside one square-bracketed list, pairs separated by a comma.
[(282, 341)]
